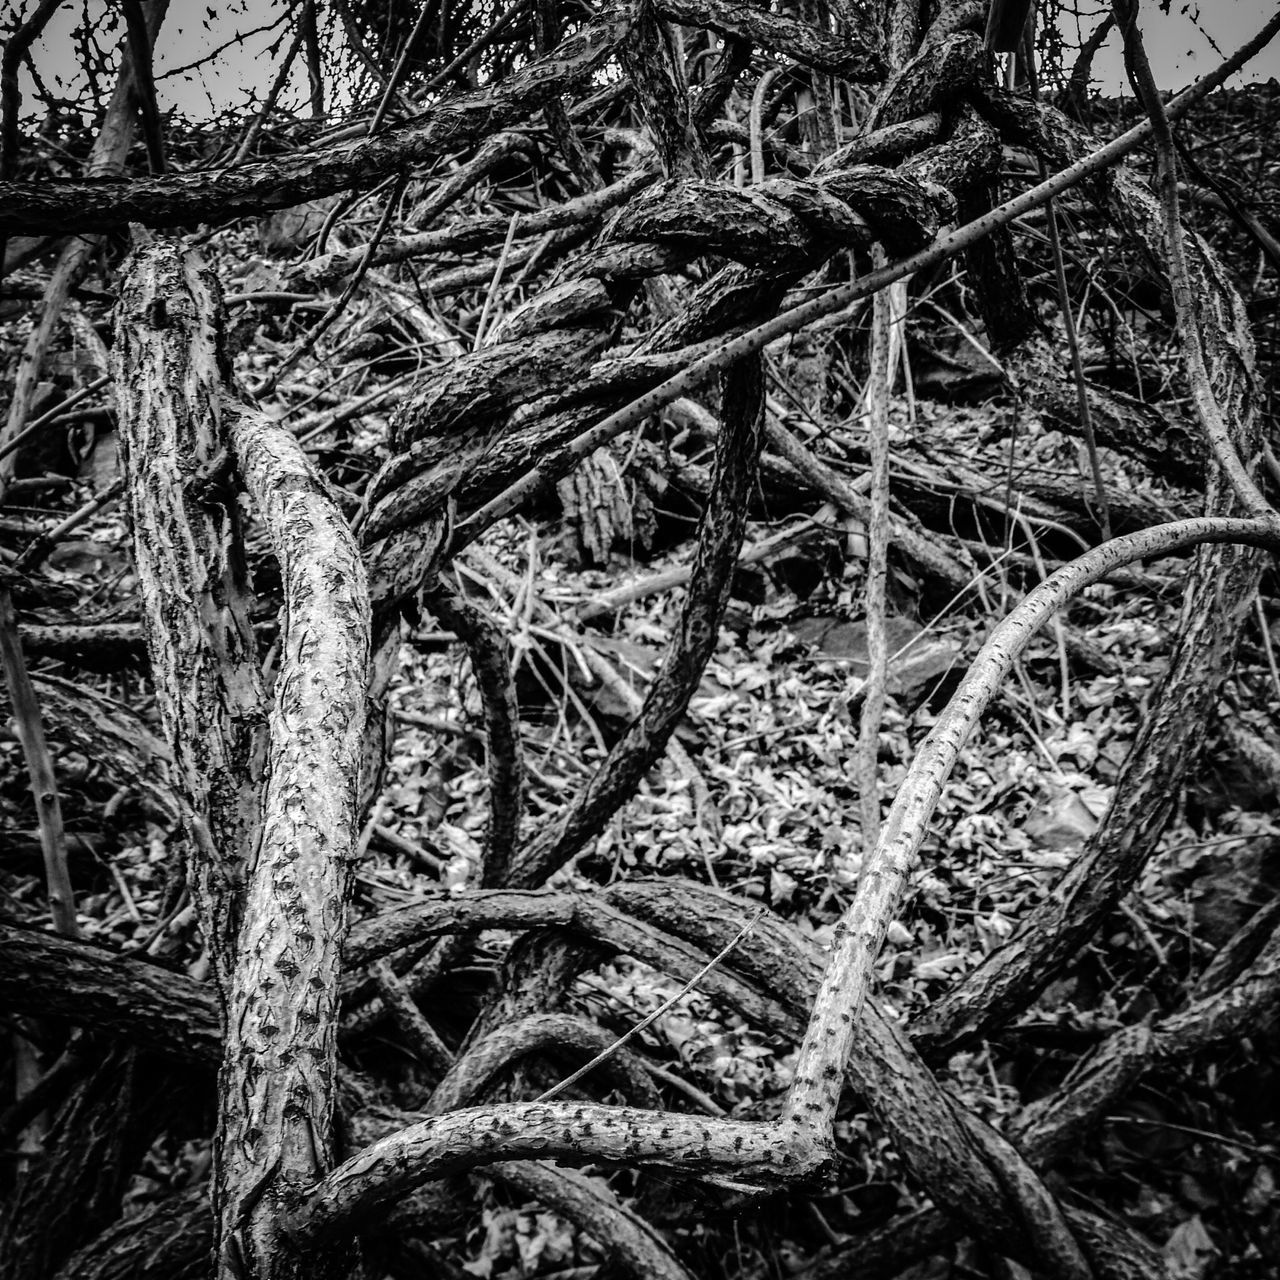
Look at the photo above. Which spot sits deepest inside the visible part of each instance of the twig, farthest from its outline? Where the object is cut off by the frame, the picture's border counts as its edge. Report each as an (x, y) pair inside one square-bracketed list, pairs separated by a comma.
[(24, 1109), (848, 495), (310, 339), (314, 77), (106, 159), (466, 234), (38, 424), (663, 580), (623, 1040), (397, 72), (877, 562), (40, 547), (1077, 371), (498, 268), (15, 50), (512, 1040), (44, 783), (1225, 196), (269, 102), (416, 853), (861, 930), (434, 723), (144, 84), (755, 339), (1069, 321), (480, 42), (1059, 631)]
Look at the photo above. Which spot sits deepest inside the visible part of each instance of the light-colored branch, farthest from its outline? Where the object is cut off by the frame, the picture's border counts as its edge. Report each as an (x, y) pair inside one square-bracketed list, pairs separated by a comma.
[(861, 930), (761, 1154), (194, 599), (868, 748), (280, 1048)]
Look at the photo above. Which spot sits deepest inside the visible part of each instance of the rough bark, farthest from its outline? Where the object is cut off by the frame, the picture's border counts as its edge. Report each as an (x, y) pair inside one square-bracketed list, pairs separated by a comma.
[(170, 366)]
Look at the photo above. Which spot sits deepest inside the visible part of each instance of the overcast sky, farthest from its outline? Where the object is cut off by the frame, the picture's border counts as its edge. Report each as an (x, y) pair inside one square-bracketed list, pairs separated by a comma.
[(1188, 41)]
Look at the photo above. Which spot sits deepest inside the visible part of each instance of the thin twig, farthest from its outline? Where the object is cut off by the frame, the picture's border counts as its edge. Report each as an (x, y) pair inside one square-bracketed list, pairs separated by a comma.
[(623, 1040), (38, 424), (144, 83), (44, 784), (310, 339), (15, 50), (40, 547), (397, 72), (1069, 319), (269, 102), (498, 268), (479, 43)]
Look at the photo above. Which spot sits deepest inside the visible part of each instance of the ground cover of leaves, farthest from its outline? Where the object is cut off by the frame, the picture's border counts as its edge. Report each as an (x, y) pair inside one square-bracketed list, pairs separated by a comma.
[(769, 815)]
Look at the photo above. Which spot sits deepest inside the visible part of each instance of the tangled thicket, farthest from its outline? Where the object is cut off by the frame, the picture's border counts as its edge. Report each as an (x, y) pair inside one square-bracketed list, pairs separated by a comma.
[(562, 507)]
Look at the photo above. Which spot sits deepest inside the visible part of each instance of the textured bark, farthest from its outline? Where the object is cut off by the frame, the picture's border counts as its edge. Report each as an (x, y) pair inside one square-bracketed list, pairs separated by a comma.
[(278, 1079), (882, 885), (467, 235), (760, 1153), (772, 958), (271, 871), (169, 366), (106, 160), (137, 1001), (481, 423), (277, 941), (850, 54), (1221, 591), (996, 280), (649, 59)]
